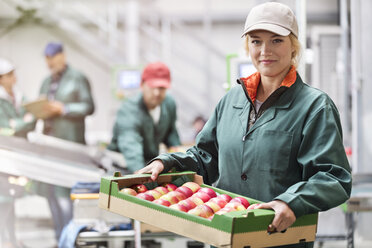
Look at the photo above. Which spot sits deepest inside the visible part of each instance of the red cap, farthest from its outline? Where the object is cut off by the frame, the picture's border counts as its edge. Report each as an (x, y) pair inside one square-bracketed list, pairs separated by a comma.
[(156, 75)]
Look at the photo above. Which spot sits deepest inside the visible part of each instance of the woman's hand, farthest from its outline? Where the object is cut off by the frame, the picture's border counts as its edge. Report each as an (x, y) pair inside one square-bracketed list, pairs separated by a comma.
[(284, 216), (154, 168)]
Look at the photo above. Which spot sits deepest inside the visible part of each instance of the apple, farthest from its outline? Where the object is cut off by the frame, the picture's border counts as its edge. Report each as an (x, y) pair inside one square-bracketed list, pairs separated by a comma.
[(235, 205), (145, 196), (129, 191), (173, 197), (154, 193), (225, 197), (139, 188), (209, 191), (213, 206), (211, 217), (202, 211), (188, 203), (218, 201), (162, 190), (185, 190), (169, 186), (196, 200), (203, 196), (179, 207), (192, 185), (162, 202), (241, 200)]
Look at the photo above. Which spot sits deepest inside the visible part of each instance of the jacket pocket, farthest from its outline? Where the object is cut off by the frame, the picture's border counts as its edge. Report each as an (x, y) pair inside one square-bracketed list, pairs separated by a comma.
[(273, 150)]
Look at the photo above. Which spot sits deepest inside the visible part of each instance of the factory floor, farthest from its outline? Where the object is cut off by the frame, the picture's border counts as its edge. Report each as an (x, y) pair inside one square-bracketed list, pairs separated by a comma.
[(34, 228)]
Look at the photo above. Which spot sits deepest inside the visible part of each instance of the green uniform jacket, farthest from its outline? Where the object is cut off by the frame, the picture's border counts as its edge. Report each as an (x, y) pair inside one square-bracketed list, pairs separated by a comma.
[(293, 152), (137, 137), (9, 111), (75, 93)]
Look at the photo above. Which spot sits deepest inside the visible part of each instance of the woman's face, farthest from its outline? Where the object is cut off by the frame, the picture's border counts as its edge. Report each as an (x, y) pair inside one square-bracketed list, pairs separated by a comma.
[(8, 80), (271, 54)]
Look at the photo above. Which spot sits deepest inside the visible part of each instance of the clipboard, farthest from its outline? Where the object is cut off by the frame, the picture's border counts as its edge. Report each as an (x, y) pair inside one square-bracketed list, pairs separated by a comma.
[(37, 108)]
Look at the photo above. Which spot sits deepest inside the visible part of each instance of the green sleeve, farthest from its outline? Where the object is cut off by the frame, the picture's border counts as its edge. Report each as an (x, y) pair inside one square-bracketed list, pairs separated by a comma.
[(130, 140), (326, 178), (85, 105), (201, 158)]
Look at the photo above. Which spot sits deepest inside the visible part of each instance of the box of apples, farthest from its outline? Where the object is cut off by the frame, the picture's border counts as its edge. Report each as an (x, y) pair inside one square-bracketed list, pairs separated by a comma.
[(181, 203)]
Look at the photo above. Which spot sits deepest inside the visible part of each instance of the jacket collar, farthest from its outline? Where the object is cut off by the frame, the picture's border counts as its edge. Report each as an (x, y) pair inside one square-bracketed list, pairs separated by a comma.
[(17, 96), (251, 83)]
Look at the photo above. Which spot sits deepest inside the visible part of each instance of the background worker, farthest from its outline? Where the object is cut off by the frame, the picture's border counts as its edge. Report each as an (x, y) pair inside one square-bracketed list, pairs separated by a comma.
[(147, 119), (275, 138), (12, 116), (69, 95), (70, 102)]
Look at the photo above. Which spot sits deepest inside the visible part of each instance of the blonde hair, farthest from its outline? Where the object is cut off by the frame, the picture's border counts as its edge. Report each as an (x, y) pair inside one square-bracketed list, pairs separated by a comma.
[(295, 44)]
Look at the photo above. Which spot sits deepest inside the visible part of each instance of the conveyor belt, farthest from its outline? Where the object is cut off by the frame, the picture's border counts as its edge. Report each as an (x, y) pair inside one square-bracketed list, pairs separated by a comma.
[(46, 164)]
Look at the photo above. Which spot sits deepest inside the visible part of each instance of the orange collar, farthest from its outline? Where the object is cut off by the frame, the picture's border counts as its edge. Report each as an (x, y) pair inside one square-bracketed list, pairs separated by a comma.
[(251, 82)]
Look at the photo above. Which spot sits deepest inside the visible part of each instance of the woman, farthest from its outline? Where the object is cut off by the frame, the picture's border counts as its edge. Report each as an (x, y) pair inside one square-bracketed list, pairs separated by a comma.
[(12, 115), (277, 140)]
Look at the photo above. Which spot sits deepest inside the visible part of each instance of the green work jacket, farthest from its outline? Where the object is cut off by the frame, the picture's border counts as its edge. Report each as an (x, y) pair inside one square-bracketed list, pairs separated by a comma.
[(75, 93), (136, 135), (293, 152), (9, 111)]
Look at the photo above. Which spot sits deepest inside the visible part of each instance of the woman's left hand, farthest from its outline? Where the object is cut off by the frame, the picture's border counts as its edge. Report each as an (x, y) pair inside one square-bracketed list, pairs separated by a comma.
[(284, 216)]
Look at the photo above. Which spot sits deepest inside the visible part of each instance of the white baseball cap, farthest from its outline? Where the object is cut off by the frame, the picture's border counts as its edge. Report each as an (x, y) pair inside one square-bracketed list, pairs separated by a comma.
[(274, 17), (5, 66)]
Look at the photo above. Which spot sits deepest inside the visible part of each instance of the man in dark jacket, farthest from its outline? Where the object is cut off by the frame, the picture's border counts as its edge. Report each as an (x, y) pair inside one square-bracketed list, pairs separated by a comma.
[(69, 95), (146, 120)]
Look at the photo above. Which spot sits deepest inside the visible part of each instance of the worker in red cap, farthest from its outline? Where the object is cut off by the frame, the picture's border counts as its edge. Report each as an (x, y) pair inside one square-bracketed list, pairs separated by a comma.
[(146, 120)]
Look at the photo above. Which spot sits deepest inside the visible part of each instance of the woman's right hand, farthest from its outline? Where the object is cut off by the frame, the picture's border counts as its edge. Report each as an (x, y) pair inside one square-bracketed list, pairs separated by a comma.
[(155, 168)]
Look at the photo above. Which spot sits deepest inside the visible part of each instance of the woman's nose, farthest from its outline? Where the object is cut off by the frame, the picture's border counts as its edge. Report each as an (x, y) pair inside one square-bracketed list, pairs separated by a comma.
[(266, 49)]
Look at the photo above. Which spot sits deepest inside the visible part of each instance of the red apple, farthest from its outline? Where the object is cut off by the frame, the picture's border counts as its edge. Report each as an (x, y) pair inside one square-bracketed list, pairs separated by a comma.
[(162, 190), (185, 190), (235, 205), (209, 191), (145, 196), (169, 186), (179, 207), (225, 197), (192, 185), (139, 188), (241, 200), (202, 211), (203, 196), (213, 206), (173, 197), (129, 191), (218, 201), (154, 193), (162, 202), (196, 200), (188, 203)]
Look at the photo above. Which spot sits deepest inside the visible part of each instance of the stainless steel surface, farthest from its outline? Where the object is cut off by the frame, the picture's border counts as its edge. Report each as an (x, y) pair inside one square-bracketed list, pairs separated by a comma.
[(46, 164)]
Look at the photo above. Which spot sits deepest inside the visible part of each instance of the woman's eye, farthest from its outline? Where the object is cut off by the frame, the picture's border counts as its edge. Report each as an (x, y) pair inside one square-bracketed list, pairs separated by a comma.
[(277, 40), (255, 42)]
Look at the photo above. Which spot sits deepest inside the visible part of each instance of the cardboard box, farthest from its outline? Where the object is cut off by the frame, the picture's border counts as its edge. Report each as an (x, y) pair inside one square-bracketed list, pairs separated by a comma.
[(246, 228)]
